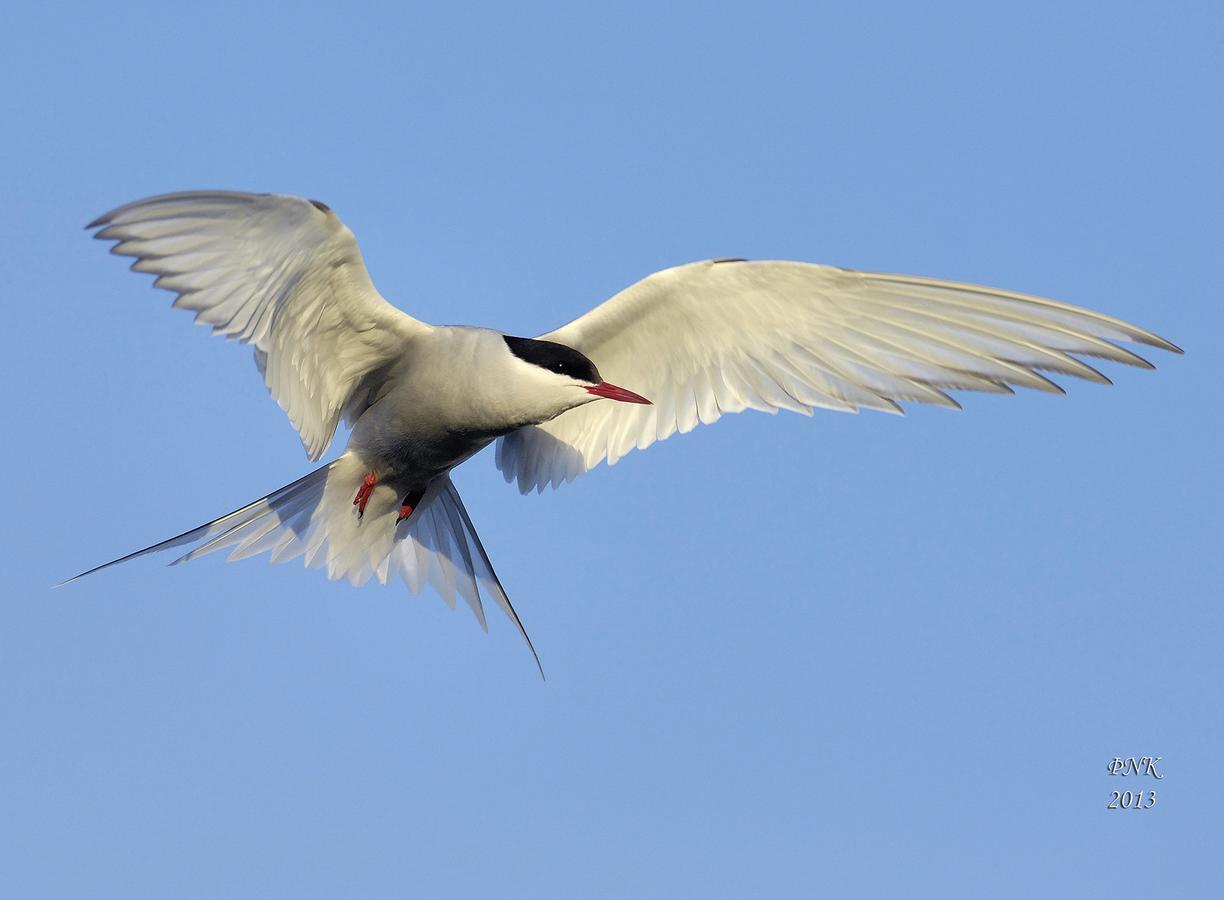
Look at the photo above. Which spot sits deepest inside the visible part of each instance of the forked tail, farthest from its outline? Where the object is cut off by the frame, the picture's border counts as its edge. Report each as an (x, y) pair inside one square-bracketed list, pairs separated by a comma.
[(314, 518)]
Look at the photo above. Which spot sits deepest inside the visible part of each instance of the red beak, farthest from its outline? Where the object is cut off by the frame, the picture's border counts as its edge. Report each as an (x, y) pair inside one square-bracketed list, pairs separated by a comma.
[(612, 392)]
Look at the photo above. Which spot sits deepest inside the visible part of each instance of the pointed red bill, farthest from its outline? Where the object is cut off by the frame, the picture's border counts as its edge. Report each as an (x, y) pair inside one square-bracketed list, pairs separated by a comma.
[(612, 392)]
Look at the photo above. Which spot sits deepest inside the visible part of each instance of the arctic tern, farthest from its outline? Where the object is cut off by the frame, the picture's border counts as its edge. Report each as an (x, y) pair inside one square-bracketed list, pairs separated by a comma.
[(698, 341)]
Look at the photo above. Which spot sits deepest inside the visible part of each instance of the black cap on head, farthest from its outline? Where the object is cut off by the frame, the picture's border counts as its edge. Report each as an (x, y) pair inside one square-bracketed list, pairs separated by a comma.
[(554, 357)]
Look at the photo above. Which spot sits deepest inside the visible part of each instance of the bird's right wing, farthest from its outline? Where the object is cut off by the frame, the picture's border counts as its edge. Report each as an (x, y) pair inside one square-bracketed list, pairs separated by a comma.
[(718, 337), (282, 274)]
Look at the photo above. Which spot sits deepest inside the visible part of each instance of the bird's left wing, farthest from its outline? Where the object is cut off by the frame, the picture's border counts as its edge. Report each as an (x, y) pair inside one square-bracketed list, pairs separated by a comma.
[(717, 337), (283, 274)]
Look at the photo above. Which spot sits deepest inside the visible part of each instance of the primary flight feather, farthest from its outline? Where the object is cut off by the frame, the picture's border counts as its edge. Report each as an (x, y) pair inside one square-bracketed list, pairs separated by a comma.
[(688, 344)]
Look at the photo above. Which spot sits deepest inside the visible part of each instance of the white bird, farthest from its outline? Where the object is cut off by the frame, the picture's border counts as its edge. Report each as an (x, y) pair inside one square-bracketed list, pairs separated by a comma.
[(284, 275)]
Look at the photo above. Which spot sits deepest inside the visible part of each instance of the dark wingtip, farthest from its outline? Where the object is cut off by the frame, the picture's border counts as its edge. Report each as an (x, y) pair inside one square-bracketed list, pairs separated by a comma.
[(1155, 340)]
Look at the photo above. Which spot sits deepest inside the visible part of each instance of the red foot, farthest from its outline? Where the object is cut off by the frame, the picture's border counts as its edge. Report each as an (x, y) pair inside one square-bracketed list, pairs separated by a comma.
[(410, 503), (363, 493)]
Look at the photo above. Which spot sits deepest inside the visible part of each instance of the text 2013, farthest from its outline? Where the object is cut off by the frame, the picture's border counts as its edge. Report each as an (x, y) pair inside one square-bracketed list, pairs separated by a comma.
[(1132, 800)]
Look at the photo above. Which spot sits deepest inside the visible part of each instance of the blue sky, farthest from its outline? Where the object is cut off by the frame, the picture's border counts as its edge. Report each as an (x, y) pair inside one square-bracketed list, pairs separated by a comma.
[(845, 655)]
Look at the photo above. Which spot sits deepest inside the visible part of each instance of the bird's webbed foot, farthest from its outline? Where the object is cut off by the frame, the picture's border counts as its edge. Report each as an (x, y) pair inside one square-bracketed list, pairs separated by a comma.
[(411, 502), (363, 493)]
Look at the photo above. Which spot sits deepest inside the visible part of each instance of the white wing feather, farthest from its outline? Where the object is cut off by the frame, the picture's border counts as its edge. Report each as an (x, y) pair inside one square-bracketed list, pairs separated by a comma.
[(282, 274), (718, 337)]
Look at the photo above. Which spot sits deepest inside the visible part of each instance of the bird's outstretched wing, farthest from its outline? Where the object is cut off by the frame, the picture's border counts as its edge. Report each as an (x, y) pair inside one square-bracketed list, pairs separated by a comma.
[(718, 337), (282, 274)]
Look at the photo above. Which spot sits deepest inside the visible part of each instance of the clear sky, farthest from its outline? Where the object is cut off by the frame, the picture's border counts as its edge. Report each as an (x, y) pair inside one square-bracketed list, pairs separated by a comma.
[(842, 656)]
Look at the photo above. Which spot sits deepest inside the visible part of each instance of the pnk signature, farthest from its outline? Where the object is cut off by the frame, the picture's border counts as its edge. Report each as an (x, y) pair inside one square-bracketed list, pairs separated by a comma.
[(1140, 767)]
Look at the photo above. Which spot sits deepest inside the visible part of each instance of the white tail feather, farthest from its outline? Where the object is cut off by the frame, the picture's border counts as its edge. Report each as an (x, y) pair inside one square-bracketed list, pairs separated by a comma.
[(314, 517)]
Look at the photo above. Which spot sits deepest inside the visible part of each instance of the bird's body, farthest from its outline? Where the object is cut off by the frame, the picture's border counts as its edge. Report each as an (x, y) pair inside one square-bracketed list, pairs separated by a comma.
[(698, 341), (435, 409)]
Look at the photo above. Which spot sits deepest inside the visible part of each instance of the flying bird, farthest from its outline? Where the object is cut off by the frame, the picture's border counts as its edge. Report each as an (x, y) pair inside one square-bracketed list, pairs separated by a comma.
[(683, 346)]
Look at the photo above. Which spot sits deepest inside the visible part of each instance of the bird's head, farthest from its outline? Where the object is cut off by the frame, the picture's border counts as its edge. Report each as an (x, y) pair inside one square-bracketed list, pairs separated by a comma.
[(561, 377)]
